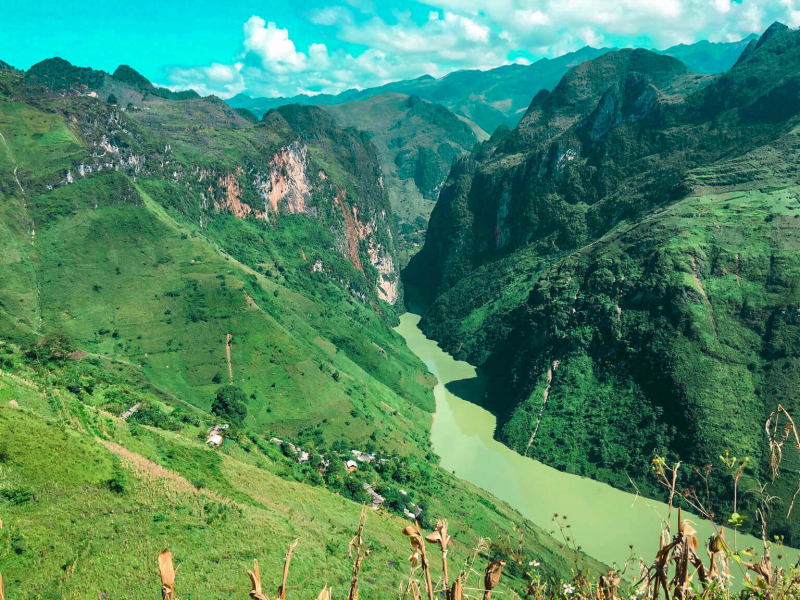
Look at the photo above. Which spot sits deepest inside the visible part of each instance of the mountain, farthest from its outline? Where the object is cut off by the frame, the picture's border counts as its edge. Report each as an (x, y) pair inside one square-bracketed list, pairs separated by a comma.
[(500, 96), (125, 86), (168, 267), (417, 142), (622, 266), (709, 57), (489, 98)]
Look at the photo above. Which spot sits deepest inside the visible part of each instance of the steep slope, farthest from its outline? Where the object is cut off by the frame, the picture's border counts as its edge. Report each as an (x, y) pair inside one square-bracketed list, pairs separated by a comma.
[(149, 257), (89, 499), (296, 276), (417, 142), (621, 264)]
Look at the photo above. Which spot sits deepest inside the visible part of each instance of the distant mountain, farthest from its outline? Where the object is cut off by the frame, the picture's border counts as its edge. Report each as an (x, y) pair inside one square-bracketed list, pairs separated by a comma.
[(4, 66), (623, 268), (123, 87), (417, 142), (500, 96), (709, 57), (489, 98)]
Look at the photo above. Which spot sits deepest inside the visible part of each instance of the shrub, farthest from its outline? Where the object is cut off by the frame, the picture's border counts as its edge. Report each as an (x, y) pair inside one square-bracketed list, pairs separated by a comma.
[(230, 404), (17, 496), (118, 482)]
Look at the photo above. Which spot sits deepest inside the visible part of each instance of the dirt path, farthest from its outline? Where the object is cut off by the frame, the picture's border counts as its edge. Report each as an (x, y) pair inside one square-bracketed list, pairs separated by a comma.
[(351, 233), (702, 290), (544, 403), (14, 162), (228, 338)]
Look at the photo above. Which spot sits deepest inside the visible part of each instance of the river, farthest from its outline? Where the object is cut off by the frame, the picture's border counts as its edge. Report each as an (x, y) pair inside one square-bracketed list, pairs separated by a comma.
[(605, 521)]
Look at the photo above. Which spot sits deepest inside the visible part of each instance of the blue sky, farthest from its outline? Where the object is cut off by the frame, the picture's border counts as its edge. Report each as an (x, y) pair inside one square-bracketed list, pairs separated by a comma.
[(284, 48)]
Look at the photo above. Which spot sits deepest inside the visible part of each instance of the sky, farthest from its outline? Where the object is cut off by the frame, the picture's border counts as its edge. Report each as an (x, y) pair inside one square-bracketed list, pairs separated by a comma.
[(283, 48)]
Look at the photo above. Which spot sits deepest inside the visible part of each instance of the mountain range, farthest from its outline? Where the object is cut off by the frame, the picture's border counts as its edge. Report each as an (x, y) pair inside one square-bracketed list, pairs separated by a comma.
[(167, 267), (622, 265), (197, 302), (500, 96)]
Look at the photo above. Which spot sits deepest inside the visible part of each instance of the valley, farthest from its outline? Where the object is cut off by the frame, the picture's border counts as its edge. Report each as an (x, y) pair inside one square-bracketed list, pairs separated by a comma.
[(552, 306), (607, 524)]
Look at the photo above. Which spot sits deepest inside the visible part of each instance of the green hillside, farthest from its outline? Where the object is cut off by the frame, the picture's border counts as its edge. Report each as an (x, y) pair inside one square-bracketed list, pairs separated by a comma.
[(152, 257), (417, 142), (621, 265)]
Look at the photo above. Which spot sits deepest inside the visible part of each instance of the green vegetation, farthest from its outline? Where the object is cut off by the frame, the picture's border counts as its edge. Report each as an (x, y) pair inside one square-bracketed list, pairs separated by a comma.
[(622, 266), (417, 142), (150, 255), (230, 403)]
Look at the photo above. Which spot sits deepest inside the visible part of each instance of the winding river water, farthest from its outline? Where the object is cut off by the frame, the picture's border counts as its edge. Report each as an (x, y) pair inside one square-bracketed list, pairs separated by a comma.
[(605, 521)]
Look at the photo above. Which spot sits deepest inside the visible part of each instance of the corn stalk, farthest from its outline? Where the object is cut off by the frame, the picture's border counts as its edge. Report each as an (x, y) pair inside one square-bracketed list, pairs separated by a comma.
[(357, 547)]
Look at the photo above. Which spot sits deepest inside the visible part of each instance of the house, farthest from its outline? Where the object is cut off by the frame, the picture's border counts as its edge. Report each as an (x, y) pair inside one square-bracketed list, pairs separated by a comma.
[(303, 458), (215, 435), (351, 466), (377, 499), (362, 456)]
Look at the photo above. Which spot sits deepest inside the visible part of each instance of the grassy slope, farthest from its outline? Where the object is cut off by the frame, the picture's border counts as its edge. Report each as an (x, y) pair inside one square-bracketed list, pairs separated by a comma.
[(151, 296), (69, 534)]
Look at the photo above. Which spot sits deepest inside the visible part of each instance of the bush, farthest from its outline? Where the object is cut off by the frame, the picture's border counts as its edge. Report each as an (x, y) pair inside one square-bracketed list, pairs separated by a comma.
[(230, 404), (118, 482), (17, 496), (55, 346)]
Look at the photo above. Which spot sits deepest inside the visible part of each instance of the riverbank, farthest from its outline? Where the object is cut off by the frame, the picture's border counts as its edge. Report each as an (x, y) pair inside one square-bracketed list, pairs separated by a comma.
[(605, 522)]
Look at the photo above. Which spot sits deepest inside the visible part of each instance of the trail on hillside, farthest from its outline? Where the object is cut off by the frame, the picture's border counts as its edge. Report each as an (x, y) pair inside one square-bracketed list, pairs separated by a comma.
[(702, 290), (544, 403), (14, 162), (228, 338)]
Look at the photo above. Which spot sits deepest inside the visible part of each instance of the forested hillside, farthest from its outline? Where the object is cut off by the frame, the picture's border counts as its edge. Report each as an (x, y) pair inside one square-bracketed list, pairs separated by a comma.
[(417, 142), (622, 265), (171, 271)]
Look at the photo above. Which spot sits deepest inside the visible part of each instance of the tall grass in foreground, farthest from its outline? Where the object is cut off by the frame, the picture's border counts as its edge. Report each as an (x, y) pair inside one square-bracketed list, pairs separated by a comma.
[(679, 570)]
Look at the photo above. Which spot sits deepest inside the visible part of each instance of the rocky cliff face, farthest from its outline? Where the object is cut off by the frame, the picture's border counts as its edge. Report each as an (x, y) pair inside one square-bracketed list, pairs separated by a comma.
[(296, 163), (634, 229)]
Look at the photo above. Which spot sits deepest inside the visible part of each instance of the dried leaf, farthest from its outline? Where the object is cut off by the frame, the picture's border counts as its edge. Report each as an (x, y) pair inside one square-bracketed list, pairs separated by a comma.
[(325, 594), (167, 572), (492, 577)]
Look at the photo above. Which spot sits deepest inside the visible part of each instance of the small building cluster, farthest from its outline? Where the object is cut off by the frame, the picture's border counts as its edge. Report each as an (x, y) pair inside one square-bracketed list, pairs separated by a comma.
[(215, 435)]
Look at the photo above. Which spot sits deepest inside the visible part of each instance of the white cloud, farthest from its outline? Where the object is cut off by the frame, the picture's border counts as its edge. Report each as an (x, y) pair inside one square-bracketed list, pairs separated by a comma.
[(464, 34), (273, 46), (220, 80)]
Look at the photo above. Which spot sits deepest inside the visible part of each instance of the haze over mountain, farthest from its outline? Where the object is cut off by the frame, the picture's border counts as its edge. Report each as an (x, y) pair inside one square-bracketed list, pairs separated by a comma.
[(500, 96), (417, 142)]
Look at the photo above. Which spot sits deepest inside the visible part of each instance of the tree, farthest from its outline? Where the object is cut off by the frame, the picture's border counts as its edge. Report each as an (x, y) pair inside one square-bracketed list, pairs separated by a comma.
[(55, 346), (230, 403), (112, 99)]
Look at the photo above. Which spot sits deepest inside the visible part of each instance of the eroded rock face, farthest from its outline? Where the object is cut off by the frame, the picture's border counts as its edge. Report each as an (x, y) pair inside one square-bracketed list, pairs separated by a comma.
[(288, 182)]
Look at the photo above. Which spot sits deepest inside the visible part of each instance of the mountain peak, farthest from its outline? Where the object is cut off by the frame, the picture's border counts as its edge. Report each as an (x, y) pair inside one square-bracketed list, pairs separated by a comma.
[(131, 76), (776, 27)]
